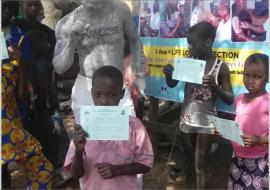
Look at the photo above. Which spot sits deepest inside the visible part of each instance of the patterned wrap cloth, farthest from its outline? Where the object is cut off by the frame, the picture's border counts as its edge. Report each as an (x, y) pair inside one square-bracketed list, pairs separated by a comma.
[(17, 144)]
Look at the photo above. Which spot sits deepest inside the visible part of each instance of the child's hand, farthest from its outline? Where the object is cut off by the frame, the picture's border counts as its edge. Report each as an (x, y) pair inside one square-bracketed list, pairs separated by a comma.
[(14, 52), (250, 140), (217, 132), (168, 70), (106, 170), (79, 138), (209, 81)]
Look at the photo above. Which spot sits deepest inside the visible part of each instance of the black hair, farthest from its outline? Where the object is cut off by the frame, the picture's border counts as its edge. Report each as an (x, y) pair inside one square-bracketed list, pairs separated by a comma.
[(204, 30), (148, 10), (110, 72), (259, 58), (244, 16)]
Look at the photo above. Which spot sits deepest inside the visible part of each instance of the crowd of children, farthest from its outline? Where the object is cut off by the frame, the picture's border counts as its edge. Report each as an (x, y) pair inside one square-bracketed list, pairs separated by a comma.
[(114, 164)]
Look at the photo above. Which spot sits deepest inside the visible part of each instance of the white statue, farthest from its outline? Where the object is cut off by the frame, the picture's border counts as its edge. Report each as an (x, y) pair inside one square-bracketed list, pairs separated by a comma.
[(97, 30), (51, 14)]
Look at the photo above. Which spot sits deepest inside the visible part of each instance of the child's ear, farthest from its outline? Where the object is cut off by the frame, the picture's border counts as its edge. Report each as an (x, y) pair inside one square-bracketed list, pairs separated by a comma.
[(123, 92)]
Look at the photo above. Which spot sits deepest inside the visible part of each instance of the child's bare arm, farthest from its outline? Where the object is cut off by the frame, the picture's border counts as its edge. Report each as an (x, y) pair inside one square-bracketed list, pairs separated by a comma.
[(77, 168), (107, 170), (224, 89), (168, 70), (69, 36), (252, 140), (79, 139), (225, 92), (133, 38)]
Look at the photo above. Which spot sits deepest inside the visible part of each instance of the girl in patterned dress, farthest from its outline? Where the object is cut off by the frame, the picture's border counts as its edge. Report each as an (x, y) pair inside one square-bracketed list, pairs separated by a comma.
[(249, 166)]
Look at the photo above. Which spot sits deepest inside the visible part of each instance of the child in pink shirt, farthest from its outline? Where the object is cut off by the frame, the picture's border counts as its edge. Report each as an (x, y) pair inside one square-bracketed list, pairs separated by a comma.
[(249, 166), (109, 165)]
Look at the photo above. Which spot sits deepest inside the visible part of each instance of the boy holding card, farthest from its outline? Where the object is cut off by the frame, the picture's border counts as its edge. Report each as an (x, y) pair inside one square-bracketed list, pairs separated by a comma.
[(249, 165), (200, 100), (109, 165)]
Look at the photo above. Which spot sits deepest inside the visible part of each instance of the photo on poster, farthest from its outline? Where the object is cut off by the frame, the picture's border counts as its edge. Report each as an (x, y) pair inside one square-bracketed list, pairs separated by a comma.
[(202, 10), (175, 18), (221, 10), (250, 20), (149, 18), (216, 12)]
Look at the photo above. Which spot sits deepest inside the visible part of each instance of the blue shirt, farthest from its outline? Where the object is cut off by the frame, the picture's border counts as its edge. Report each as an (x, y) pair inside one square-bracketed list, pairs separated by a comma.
[(14, 38)]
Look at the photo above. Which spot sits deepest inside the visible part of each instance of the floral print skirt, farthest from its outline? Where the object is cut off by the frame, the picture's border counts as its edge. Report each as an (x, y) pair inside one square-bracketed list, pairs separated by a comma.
[(17, 144), (248, 173)]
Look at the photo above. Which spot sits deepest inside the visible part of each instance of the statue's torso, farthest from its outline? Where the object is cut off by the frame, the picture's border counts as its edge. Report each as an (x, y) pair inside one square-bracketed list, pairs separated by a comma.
[(103, 41)]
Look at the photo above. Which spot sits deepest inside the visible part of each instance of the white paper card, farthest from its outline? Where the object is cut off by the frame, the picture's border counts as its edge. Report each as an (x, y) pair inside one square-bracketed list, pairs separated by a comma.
[(189, 70), (105, 122), (229, 129), (4, 50)]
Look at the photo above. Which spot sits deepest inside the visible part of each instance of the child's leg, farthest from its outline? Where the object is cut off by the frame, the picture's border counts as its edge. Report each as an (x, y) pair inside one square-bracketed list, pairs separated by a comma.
[(6, 178), (202, 148), (189, 144)]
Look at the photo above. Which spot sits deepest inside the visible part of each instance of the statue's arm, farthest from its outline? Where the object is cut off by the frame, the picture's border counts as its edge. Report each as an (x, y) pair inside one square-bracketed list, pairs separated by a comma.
[(133, 38), (64, 50)]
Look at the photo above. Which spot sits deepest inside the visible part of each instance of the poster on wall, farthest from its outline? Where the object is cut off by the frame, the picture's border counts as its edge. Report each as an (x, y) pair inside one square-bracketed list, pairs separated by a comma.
[(242, 29), (149, 18)]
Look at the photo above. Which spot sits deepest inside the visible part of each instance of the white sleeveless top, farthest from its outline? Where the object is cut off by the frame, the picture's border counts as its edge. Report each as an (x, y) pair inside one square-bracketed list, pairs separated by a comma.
[(199, 103)]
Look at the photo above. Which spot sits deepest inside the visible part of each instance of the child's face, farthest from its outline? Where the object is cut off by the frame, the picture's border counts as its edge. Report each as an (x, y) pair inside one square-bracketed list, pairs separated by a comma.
[(222, 11), (241, 3), (106, 92), (196, 45), (255, 77)]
